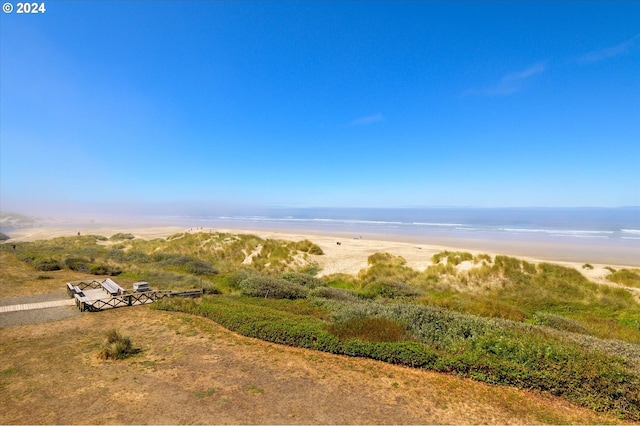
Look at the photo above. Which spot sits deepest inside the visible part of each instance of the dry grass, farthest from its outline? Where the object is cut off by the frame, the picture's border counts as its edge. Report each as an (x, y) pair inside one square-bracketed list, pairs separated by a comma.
[(190, 370), (19, 278)]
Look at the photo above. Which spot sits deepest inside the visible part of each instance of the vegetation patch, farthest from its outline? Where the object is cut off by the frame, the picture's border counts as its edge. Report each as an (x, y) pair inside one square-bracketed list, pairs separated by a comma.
[(117, 346), (206, 393), (121, 236), (453, 257), (305, 280), (47, 265), (276, 288), (307, 246), (370, 329), (626, 277), (504, 321), (492, 351)]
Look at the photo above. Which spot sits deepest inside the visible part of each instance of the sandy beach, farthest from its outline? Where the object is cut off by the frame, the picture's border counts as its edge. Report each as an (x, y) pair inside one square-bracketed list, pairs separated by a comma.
[(350, 255)]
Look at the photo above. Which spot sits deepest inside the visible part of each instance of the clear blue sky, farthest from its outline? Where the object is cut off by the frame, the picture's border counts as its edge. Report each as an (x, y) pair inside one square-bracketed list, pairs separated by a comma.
[(352, 104)]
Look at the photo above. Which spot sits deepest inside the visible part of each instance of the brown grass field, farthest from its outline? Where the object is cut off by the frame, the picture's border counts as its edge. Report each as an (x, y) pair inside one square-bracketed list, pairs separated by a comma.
[(191, 370)]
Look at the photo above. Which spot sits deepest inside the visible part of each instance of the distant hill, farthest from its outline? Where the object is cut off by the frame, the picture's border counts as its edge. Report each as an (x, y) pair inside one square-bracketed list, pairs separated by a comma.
[(16, 220)]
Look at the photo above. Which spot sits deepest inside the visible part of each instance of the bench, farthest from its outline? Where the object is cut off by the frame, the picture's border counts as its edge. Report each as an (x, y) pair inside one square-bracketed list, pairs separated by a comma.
[(77, 290), (141, 287), (111, 287)]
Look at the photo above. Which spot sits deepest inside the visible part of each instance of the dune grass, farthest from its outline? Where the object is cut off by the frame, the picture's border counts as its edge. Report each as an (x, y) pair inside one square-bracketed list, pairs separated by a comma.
[(626, 277)]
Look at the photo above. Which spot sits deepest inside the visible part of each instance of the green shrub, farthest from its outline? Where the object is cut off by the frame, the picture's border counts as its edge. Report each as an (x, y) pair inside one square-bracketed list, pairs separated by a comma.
[(257, 286), (99, 269), (199, 267), (587, 266), (333, 293), (234, 278), (171, 259), (186, 263), (121, 236), (27, 257), (558, 322), (131, 256), (78, 264), (47, 265), (341, 281), (311, 268), (135, 256), (390, 289), (117, 346), (303, 279)]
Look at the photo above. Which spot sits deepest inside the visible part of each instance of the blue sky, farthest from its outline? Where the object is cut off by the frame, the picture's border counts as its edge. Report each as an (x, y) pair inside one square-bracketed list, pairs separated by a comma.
[(321, 104)]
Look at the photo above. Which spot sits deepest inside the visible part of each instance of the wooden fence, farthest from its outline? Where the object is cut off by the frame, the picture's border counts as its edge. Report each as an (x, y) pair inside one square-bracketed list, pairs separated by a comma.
[(129, 299)]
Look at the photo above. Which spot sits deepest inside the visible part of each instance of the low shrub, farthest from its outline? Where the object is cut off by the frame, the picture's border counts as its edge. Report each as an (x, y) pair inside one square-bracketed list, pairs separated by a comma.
[(131, 256), (117, 346), (78, 264), (27, 257), (558, 322), (121, 236), (257, 286), (188, 264), (391, 289), (199, 267), (303, 279), (234, 278), (168, 280), (333, 294), (47, 265), (98, 269)]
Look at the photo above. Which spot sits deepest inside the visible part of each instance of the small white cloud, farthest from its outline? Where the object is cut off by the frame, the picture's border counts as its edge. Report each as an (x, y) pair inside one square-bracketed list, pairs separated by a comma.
[(610, 52), (510, 83), (370, 119)]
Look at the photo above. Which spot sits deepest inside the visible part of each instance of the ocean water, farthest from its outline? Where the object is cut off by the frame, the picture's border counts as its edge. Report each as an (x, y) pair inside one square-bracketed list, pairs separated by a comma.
[(606, 224), (584, 234)]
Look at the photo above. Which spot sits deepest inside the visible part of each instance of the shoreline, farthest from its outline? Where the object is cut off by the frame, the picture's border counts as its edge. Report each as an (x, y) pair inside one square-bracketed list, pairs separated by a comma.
[(350, 256)]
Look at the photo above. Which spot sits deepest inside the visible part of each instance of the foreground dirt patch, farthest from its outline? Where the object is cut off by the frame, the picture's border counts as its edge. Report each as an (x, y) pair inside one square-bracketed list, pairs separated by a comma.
[(190, 370)]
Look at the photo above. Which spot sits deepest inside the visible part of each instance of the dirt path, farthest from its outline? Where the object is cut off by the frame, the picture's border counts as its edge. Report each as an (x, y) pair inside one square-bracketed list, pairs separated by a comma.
[(190, 370)]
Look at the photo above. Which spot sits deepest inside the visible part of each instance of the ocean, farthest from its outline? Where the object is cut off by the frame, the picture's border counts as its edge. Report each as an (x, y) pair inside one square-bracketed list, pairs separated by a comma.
[(590, 234), (596, 235), (610, 224)]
